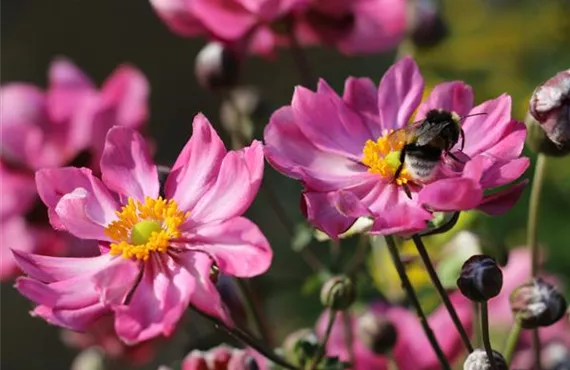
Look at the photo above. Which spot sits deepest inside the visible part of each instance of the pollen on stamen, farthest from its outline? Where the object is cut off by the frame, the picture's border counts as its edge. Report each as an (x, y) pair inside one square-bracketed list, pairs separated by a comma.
[(382, 156), (155, 223)]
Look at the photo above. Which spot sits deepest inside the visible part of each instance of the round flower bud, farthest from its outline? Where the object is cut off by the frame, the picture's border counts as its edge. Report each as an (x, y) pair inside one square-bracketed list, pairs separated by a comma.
[(427, 26), (538, 141), (216, 66), (550, 106), (376, 332), (480, 278), (300, 346), (338, 293), (478, 360), (537, 303)]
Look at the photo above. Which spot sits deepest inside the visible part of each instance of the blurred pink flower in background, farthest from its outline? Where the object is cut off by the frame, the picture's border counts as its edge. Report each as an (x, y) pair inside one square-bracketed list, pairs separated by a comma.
[(353, 27), (412, 349), (223, 357), (156, 253), (42, 129), (342, 150)]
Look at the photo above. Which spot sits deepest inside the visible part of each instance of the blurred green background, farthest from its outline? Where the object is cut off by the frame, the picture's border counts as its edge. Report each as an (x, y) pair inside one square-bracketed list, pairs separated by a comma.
[(496, 46)]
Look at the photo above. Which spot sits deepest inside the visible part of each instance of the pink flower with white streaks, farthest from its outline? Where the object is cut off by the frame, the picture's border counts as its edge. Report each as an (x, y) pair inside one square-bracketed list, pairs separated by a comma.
[(412, 349), (157, 252), (353, 27), (343, 151), (50, 128)]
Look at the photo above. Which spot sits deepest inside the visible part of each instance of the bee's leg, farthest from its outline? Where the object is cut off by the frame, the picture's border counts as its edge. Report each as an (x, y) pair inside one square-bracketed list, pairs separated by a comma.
[(462, 138), (401, 166), (407, 191), (454, 157)]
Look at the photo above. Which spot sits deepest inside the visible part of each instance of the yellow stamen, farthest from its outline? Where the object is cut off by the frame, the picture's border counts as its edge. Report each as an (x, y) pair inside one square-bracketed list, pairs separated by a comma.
[(146, 227), (383, 156)]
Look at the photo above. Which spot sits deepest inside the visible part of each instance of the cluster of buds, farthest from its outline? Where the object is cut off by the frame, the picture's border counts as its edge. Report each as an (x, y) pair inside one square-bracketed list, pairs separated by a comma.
[(548, 120), (537, 303), (221, 357), (376, 332), (338, 293), (480, 279), (302, 348), (478, 360)]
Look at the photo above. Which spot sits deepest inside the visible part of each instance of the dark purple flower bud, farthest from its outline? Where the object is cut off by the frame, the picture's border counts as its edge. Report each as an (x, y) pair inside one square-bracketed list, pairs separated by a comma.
[(480, 279), (427, 27), (550, 106), (478, 360), (376, 332), (538, 141), (338, 293), (217, 66), (537, 303)]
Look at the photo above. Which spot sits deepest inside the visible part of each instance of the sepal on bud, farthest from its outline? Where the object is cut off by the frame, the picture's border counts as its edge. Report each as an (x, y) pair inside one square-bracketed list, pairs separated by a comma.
[(480, 279), (338, 293), (376, 332), (478, 360), (537, 303), (217, 66)]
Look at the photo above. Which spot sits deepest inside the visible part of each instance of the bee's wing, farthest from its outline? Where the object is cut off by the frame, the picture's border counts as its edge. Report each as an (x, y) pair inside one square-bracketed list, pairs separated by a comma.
[(406, 133), (428, 131)]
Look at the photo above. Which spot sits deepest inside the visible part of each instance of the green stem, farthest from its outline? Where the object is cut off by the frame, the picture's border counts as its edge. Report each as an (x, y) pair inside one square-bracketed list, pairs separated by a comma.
[(348, 338), (248, 340), (323, 346), (253, 311), (409, 289), (477, 325), (486, 336), (441, 290), (335, 255), (300, 58), (532, 237), (512, 341), (359, 256)]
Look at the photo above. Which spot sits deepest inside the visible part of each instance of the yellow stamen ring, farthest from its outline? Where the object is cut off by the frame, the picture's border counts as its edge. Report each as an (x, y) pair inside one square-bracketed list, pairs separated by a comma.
[(383, 156), (146, 227)]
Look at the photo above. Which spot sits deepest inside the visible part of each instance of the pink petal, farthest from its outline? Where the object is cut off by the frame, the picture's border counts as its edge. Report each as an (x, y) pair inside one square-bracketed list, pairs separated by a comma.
[(237, 246), (399, 93), (361, 94), (63, 73), (14, 237), (70, 294), (178, 16), (501, 173), (158, 301), (237, 184), (455, 194), (378, 25), (116, 280), (18, 192), (126, 165), (330, 125), (78, 320), (205, 297), (53, 184), (320, 213), (227, 21), (197, 166), (51, 269), (483, 132), (511, 145), (126, 91), (452, 96), (289, 151), (500, 202), (84, 216)]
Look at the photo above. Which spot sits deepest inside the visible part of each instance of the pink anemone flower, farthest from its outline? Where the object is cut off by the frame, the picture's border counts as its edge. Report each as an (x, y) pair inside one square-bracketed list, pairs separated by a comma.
[(50, 128), (346, 152), (412, 349), (157, 252)]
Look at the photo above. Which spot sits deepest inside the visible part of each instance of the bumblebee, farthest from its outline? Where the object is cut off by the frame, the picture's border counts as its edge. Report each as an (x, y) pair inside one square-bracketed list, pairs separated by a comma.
[(427, 140)]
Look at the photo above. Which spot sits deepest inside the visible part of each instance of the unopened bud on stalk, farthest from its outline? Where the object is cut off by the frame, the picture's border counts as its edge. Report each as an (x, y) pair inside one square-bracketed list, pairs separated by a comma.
[(338, 293), (480, 279), (427, 26), (550, 107), (300, 346), (538, 141), (216, 66), (478, 360), (537, 303), (376, 332)]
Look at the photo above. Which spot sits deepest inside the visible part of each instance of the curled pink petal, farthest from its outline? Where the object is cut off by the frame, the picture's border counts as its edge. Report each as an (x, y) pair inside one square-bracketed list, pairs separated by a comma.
[(126, 165), (63, 73), (452, 194), (78, 320), (450, 96), (500, 202), (318, 210)]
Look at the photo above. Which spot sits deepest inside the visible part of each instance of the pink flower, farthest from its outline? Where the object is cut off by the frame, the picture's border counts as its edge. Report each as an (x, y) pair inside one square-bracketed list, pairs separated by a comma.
[(412, 349), (353, 27), (50, 128), (343, 151), (157, 252)]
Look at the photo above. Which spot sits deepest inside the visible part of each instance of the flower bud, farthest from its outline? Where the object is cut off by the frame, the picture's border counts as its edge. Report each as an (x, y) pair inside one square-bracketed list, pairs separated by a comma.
[(427, 26), (300, 346), (478, 360), (537, 303), (538, 141), (216, 66), (550, 106), (480, 279), (89, 359), (338, 293), (376, 332)]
